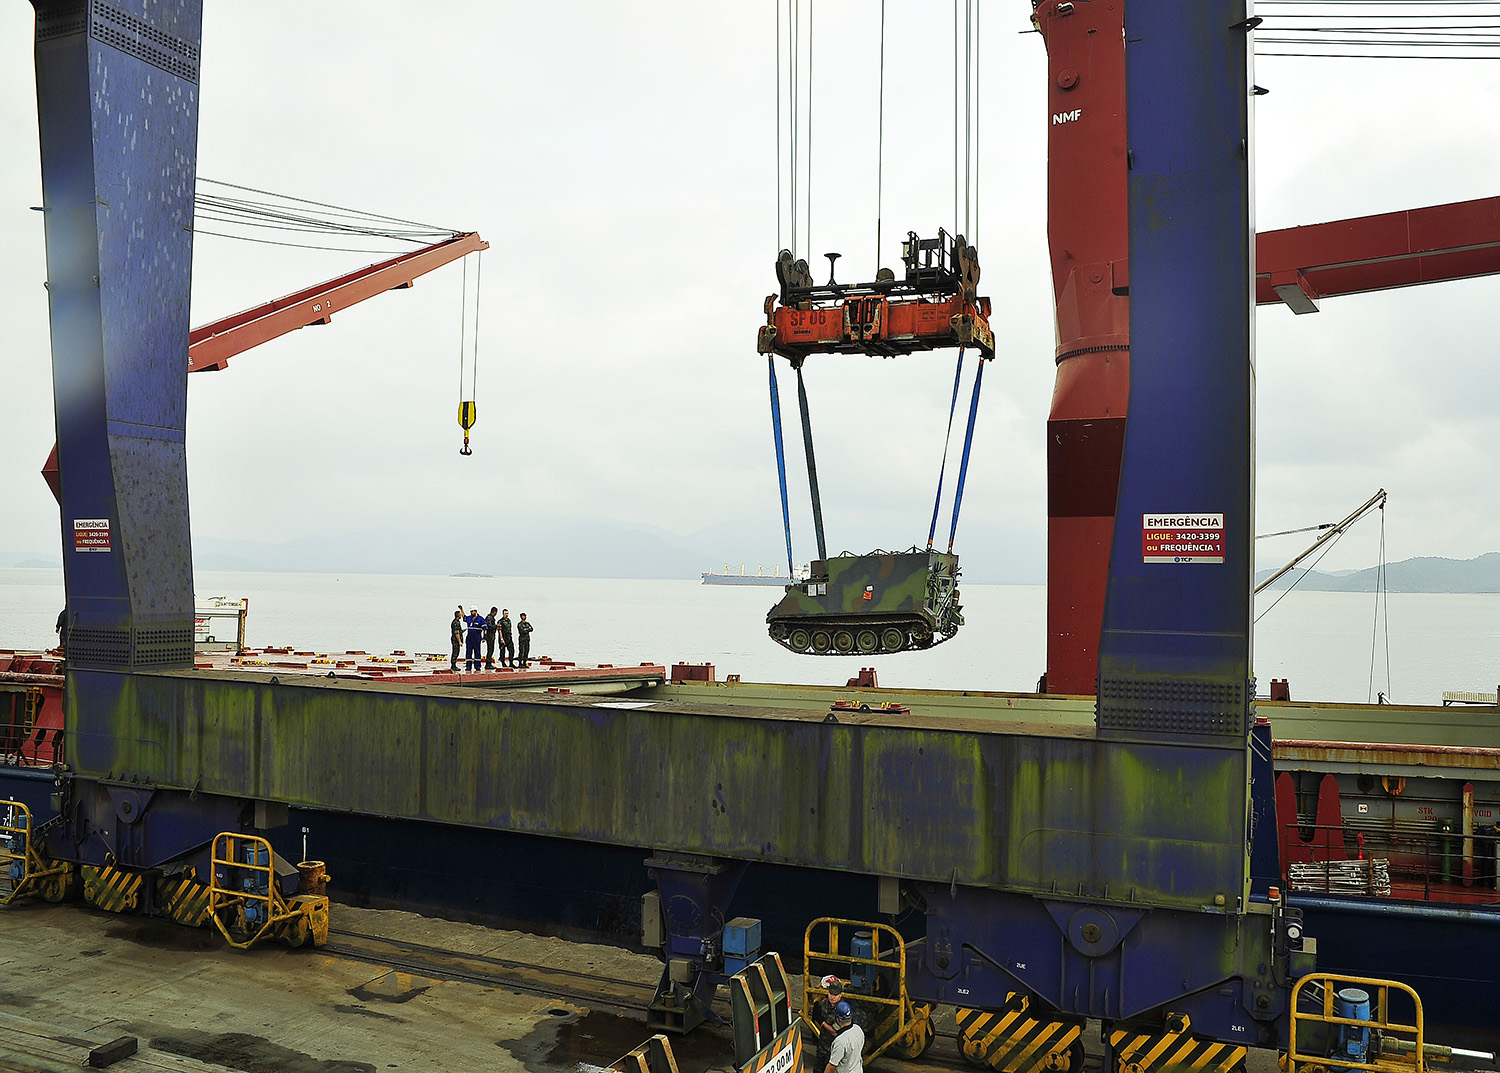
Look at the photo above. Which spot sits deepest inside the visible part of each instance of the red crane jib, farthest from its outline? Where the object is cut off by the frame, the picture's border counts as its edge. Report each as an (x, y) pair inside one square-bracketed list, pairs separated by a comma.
[(1299, 265), (876, 325), (212, 345)]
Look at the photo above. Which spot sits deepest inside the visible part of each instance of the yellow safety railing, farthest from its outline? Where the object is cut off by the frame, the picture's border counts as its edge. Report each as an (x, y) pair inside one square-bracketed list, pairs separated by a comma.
[(1402, 1046), (825, 958), (238, 880), (22, 866)]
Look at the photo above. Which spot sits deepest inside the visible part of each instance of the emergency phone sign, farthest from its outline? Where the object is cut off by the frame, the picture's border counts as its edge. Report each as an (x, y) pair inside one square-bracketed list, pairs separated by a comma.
[(1182, 538), (91, 534)]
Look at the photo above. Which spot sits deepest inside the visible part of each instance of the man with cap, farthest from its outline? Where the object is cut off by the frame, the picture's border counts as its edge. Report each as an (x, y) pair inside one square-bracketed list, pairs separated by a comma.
[(823, 1018), (847, 1053)]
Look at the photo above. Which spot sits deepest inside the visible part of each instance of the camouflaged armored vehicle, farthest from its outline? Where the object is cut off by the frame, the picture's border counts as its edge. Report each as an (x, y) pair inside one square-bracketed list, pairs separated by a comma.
[(862, 604)]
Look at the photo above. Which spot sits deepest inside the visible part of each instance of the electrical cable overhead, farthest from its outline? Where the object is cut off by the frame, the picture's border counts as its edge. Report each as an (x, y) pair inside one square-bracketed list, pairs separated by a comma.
[(1336, 29), (244, 217)]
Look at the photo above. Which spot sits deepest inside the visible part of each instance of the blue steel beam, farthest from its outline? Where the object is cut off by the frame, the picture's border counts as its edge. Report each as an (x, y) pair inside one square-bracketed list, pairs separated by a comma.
[(117, 106), (1175, 647)]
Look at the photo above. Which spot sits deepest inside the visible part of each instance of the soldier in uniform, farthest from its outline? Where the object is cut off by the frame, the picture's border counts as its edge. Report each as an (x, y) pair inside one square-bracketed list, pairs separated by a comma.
[(456, 632), (507, 645), (524, 629), (489, 639)]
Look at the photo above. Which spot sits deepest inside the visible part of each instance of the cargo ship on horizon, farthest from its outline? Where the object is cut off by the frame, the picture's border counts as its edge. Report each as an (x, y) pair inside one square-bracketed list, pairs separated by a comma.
[(760, 577)]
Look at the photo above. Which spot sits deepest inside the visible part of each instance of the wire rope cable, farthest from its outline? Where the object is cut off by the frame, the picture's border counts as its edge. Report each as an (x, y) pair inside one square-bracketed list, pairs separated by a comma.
[(880, 144), (812, 465), (937, 500), (786, 514), (963, 467), (478, 290), (463, 328), (1382, 601), (1305, 571)]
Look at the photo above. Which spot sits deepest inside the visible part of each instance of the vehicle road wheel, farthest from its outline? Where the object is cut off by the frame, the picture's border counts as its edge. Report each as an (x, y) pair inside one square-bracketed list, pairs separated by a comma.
[(843, 642), (799, 640), (892, 639), (821, 642), (867, 641)]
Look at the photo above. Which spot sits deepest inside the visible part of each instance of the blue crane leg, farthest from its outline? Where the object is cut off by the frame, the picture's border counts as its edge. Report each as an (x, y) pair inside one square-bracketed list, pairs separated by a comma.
[(117, 105)]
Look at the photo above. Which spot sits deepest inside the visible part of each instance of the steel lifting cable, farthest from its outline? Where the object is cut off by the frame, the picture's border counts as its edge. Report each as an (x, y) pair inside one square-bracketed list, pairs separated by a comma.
[(963, 468), (467, 409), (812, 465), (880, 145), (1381, 593), (786, 514), (947, 438)]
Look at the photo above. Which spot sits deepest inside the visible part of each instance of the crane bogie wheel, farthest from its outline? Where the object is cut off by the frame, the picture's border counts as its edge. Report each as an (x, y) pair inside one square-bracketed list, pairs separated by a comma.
[(821, 641), (843, 642), (799, 640), (892, 639), (867, 642)]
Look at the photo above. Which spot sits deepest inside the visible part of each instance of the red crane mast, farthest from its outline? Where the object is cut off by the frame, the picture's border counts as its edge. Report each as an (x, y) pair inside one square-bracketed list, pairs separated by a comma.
[(1087, 232)]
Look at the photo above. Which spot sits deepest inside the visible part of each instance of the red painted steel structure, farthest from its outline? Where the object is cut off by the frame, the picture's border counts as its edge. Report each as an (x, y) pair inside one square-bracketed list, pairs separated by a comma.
[(211, 346), (1087, 234)]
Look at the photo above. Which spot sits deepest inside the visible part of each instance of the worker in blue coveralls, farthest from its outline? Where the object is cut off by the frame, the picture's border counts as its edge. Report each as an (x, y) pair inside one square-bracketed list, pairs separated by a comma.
[(474, 623)]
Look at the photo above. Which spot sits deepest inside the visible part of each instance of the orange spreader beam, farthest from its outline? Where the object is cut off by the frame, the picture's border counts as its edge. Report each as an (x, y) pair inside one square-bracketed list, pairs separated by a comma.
[(872, 324), (1299, 265), (211, 346)]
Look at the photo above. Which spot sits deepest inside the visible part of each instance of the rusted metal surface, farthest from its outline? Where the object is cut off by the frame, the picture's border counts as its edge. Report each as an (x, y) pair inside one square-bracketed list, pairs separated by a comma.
[(1384, 756), (1010, 806)]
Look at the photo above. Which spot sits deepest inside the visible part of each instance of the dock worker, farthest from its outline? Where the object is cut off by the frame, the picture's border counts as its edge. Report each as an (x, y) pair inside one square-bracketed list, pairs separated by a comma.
[(847, 1053), (507, 645), (490, 623), (474, 637), (824, 1020), (524, 629), (456, 632)]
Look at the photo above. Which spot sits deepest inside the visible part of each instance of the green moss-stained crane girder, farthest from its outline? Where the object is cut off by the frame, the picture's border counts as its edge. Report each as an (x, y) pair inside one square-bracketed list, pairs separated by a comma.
[(1019, 807)]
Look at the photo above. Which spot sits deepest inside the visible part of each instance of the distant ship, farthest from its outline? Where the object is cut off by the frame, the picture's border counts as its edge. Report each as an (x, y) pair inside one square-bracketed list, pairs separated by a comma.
[(760, 577)]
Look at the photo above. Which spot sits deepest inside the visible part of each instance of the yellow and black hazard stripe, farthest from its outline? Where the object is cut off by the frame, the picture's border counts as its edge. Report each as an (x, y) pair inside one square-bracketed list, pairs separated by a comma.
[(1011, 1040), (1171, 1049), (112, 889), (782, 1055), (183, 899)]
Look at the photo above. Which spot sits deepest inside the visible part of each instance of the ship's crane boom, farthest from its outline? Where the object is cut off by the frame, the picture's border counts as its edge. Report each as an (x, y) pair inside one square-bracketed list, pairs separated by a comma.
[(212, 345), (1433, 244)]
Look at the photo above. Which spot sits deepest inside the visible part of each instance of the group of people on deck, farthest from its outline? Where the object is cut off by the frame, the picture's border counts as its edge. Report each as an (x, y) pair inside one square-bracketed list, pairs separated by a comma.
[(470, 630)]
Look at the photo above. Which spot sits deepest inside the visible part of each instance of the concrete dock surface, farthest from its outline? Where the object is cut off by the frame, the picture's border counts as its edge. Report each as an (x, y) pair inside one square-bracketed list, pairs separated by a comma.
[(76, 978)]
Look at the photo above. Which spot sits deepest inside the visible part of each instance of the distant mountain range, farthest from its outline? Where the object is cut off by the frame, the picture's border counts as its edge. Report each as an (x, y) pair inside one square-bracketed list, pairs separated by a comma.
[(1422, 574)]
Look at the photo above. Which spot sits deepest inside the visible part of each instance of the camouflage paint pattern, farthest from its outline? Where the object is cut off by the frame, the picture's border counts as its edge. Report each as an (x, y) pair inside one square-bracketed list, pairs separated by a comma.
[(880, 602)]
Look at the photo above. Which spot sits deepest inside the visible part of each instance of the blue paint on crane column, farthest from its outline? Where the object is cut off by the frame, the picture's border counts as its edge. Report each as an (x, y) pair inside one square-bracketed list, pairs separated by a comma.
[(1175, 649), (117, 109)]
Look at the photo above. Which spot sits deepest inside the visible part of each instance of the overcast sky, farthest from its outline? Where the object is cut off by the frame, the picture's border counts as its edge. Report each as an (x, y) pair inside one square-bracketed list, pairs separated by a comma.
[(620, 159)]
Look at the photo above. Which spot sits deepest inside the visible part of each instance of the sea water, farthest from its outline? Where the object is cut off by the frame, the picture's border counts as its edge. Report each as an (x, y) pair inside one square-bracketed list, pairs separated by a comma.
[(1331, 646)]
